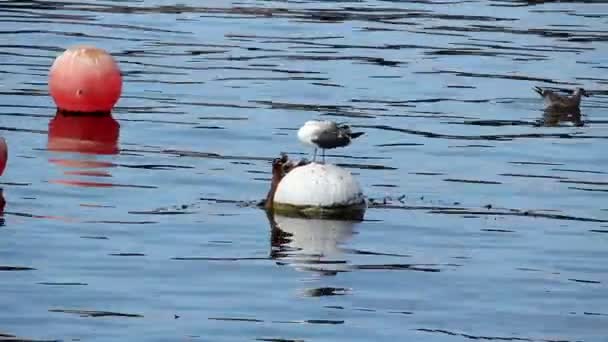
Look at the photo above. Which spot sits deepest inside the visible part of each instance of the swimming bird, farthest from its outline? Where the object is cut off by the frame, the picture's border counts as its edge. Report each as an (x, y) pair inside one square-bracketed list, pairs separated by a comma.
[(325, 134), (563, 102)]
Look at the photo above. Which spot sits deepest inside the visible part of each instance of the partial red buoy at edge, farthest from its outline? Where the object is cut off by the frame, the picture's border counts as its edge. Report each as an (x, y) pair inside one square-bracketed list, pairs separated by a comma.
[(3, 155), (85, 79)]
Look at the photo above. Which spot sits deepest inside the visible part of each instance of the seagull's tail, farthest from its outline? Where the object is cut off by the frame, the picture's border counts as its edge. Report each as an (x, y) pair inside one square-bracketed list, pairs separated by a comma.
[(355, 135), (539, 90)]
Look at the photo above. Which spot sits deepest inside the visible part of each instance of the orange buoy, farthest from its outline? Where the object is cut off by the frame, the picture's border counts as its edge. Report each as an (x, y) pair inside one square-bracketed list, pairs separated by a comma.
[(3, 155), (85, 79)]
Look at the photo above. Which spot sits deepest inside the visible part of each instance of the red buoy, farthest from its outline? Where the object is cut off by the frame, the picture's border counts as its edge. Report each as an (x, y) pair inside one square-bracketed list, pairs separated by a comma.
[(85, 79), (3, 155)]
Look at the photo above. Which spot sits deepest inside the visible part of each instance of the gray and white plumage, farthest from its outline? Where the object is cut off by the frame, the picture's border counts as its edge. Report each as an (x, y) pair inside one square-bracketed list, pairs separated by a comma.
[(554, 100), (325, 134)]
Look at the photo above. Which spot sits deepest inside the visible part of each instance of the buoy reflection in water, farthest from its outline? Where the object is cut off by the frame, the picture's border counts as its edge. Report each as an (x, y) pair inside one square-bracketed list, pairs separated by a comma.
[(83, 132), (310, 244), (89, 135)]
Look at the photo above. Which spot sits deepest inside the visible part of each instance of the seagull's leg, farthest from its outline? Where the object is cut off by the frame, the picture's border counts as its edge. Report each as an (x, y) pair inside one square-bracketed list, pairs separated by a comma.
[(314, 155), (323, 151)]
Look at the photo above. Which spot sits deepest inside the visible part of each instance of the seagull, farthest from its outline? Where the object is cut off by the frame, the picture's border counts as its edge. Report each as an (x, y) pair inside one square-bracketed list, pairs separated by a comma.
[(326, 134), (555, 101)]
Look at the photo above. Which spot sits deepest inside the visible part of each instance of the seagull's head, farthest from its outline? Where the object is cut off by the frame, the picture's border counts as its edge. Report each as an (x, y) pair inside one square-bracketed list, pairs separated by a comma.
[(344, 128), (581, 92)]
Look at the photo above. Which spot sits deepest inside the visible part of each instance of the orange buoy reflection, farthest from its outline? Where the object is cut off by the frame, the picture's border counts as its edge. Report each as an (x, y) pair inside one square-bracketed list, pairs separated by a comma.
[(95, 133), (89, 134)]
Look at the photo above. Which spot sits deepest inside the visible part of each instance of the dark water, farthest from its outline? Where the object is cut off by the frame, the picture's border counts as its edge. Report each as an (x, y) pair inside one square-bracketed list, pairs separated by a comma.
[(489, 220)]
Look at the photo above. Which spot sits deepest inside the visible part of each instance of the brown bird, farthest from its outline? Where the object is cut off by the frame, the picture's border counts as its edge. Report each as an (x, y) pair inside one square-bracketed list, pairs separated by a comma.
[(280, 167), (561, 102)]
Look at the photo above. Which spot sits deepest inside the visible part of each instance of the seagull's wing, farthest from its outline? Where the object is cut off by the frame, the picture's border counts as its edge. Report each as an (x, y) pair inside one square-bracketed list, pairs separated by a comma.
[(330, 139), (355, 135), (345, 130)]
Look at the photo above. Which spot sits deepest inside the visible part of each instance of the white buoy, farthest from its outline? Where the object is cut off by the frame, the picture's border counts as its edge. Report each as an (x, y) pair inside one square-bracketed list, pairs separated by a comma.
[(320, 191)]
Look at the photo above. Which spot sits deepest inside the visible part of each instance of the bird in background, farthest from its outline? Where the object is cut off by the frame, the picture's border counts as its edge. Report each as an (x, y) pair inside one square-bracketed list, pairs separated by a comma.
[(555, 101), (325, 134)]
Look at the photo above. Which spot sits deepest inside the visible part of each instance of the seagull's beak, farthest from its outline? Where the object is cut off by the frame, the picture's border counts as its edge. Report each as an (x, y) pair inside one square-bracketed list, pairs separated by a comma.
[(585, 93)]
